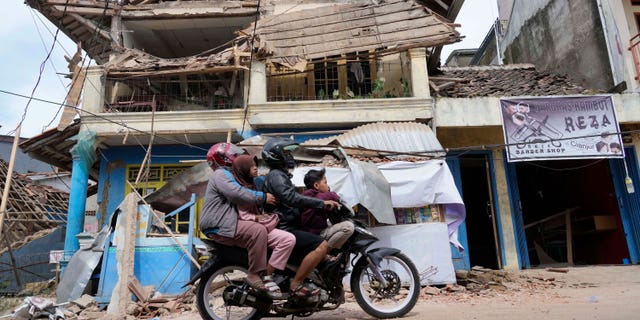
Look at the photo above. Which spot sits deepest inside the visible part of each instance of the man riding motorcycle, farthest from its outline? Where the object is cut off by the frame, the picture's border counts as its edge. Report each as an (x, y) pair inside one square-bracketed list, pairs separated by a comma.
[(309, 248)]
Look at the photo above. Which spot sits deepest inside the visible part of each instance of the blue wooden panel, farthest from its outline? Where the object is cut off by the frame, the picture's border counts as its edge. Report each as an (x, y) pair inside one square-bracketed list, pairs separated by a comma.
[(629, 203), (165, 267), (516, 215), (460, 259)]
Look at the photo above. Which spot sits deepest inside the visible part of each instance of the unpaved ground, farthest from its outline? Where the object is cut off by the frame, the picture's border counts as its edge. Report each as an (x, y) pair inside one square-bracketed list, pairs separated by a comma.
[(602, 292)]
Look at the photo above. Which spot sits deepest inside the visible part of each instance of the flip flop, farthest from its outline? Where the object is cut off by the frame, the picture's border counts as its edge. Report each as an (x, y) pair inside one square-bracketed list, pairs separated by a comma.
[(305, 291), (272, 288), (260, 286)]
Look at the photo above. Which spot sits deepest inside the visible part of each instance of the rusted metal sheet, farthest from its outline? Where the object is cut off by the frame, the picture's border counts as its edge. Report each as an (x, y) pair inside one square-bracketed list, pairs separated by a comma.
[(394, 137), (178, 190)]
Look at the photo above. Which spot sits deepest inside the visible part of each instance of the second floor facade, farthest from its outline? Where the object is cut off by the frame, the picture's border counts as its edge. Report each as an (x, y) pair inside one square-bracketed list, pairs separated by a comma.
[(199, 71)]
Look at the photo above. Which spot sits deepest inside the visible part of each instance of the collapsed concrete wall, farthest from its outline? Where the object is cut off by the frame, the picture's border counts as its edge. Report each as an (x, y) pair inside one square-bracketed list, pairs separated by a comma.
[(563, 37)]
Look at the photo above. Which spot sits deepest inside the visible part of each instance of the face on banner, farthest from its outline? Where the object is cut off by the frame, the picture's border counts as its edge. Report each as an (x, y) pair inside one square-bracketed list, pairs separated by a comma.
[(561, 128)]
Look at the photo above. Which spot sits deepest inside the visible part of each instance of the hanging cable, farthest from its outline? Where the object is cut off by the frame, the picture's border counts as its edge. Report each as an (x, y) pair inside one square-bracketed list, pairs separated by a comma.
[(41, 70)]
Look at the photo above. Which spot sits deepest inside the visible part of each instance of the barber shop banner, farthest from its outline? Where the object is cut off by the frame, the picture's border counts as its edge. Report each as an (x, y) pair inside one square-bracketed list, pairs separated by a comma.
[(560, 128)]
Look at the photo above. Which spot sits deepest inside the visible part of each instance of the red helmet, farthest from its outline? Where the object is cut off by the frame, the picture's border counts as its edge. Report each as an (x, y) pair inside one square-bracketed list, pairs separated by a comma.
[(223, 154)]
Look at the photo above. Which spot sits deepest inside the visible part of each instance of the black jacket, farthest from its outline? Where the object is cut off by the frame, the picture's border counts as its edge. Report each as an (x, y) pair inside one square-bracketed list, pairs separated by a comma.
[(278, 183)]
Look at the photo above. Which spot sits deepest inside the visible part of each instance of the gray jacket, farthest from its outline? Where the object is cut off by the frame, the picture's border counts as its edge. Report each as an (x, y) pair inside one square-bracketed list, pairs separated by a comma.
[(219, 214)]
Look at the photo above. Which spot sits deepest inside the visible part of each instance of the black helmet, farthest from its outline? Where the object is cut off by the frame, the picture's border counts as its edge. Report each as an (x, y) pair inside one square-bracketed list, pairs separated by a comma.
[(277, 153)]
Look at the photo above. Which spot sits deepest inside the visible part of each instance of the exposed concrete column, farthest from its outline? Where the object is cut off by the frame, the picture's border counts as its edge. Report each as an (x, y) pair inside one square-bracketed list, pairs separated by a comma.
[(506, 221), (419, 75), (93, 91), (258, 82)]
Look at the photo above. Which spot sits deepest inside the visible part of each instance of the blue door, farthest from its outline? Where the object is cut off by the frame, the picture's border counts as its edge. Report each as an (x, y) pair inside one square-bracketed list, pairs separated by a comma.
[(460, 259), (516, 214), (629, 203)]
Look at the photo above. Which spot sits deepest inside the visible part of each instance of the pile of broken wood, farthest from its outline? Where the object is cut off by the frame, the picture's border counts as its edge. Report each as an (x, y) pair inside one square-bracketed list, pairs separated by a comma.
[(150, 305)]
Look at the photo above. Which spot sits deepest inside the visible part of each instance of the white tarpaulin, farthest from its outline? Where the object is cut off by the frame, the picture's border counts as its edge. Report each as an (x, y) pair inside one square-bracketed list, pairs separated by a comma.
[(412, 184), (417, 184)]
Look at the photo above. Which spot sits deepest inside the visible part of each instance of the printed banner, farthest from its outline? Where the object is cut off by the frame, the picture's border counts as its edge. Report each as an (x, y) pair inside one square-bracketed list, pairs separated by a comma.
[(560, 128)]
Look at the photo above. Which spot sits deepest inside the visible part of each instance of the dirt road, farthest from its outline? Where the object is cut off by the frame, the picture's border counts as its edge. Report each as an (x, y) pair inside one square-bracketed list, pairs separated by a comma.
[(602, 292)]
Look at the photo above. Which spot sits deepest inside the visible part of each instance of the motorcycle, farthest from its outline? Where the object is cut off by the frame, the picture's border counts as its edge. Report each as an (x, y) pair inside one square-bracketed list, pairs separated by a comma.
[(385, 282)]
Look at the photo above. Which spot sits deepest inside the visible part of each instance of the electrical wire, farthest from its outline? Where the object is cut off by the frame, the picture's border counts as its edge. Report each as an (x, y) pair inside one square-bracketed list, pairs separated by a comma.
[(44, 45), (423, 153), (246, 99), (106, 119), (563, 169), (41, 71)]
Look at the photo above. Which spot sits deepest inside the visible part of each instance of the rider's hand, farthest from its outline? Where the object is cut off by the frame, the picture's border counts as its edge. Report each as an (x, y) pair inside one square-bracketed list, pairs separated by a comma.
[(331, 205), (271, 199)]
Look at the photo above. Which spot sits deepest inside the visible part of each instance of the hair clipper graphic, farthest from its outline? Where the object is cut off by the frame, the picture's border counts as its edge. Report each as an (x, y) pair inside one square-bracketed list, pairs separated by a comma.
[(530, 129)]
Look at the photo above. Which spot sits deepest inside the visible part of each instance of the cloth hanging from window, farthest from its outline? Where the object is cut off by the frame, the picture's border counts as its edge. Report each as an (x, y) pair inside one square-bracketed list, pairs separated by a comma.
[(356, 69)]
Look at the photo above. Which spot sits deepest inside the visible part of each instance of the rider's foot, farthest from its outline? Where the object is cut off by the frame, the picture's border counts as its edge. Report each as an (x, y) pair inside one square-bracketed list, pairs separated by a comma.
[(305, 291), (259, 285)]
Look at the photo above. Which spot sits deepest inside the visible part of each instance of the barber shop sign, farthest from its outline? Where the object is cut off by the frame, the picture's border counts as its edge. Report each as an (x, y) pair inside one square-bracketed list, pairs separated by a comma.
[(560, 128)]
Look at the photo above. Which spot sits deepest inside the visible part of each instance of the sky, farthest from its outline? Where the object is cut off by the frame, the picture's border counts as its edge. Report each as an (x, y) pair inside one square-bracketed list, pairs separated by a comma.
[(26, 38)]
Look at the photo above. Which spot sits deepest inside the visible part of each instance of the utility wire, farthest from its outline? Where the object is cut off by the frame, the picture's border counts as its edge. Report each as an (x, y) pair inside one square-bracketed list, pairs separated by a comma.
[(104, 118), (420, 153), (246, 99), (41, 71)]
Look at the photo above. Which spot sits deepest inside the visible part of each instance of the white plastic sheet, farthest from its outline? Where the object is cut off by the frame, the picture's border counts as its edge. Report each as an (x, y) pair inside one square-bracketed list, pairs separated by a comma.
[(412, 184), (417, 184)]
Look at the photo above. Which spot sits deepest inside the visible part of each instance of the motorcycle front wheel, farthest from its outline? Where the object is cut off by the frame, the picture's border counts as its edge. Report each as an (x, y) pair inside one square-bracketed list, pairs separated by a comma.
[(209, 299), (391, 301)]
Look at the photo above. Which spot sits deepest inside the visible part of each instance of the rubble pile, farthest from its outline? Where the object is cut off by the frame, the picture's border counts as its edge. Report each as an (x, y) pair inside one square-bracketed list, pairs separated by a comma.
[(150, 304), (480, 283)]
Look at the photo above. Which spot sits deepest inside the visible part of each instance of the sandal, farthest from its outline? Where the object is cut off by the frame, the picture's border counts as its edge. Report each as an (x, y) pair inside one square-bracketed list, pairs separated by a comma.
[(330, 258), (273, 290), (305, 291), (259, 286)]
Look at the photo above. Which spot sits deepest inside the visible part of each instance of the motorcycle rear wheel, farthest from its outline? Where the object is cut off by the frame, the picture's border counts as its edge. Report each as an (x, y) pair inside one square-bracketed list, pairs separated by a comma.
[(209, 298), (393, 301)]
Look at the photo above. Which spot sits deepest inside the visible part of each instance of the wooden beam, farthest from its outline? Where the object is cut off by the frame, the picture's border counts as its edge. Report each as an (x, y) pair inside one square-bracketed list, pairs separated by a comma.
[(91, 26), (134, 74), (79, 3), (442, 4), (437, 78), (85, 11)]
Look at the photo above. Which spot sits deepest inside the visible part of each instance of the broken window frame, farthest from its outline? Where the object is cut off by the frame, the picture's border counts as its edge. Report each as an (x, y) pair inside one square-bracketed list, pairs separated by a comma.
[(161, 176)]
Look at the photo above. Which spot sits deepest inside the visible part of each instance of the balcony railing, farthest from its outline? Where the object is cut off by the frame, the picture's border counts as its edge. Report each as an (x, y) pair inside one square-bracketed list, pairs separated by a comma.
[(634, 46), (159, 103)]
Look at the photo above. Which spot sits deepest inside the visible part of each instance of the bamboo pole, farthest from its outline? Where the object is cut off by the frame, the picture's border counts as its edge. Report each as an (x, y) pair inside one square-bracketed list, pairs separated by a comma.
[(162, 224), (7, 183)]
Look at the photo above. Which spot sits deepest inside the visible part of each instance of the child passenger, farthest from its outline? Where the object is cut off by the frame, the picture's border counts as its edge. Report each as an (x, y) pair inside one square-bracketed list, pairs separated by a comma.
[(315, 220)]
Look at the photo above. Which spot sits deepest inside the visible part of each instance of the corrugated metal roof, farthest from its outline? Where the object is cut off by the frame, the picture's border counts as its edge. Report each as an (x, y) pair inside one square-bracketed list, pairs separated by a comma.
[(411, 137)]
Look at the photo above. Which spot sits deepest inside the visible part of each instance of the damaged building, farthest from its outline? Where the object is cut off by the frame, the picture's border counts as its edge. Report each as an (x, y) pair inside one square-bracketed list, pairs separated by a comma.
[(175, 77)]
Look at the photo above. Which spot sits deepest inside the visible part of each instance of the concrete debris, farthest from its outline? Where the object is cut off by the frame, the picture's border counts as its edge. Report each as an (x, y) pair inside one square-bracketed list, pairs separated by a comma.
[(35, 307), (85, 302), (479, 283), (429, 290), (158, 305)]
